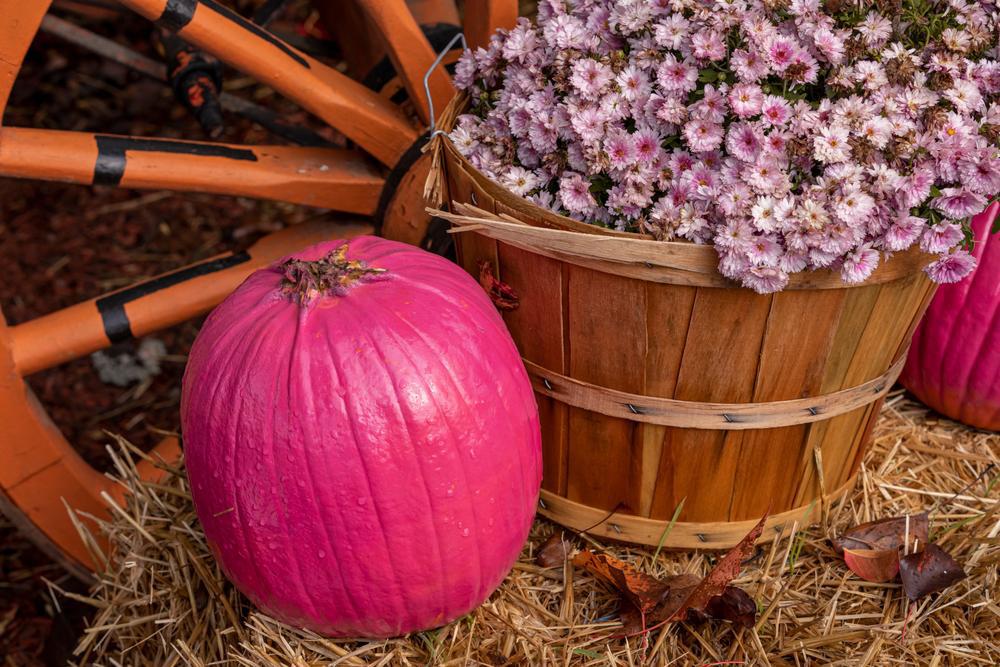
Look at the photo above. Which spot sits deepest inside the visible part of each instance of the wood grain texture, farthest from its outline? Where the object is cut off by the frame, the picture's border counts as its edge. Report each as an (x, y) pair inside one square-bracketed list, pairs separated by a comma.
[(791, 366), (538, 326), (602, 454), (719, 364), (668, 316)]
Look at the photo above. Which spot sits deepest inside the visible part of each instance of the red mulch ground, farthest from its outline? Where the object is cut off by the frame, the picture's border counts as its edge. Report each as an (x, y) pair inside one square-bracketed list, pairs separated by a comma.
[(60, 244)]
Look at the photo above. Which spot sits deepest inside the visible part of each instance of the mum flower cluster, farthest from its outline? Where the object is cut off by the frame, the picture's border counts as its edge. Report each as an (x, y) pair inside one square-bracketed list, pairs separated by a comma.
[(792, 135)]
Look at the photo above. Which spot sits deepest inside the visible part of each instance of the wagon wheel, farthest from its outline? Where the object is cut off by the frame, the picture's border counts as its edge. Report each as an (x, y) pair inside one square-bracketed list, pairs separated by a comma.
[(378, 179)]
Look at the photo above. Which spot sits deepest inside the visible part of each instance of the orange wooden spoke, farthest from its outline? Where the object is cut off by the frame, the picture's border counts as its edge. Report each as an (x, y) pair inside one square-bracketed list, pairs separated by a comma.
[(154, 304), (340, 179), (364, 117), (41, 474), (429, 12), (19, 21), (411, 54), (483, 17)]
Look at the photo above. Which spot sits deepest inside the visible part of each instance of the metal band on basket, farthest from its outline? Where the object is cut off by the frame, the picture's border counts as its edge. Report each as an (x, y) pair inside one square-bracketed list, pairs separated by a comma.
[(715, 416)]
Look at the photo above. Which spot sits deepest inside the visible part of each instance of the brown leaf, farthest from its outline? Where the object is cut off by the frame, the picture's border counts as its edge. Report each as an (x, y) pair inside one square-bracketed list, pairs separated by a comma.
[(884, 534), (735, 606), (724, 571), (554, 552), (876, 565), (637, 588), (648, 601), (928, 571), (678, 589)]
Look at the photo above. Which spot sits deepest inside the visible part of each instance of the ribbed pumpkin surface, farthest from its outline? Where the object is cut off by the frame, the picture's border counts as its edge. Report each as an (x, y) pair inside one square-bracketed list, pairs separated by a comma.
[(364, 464), (954, 362)]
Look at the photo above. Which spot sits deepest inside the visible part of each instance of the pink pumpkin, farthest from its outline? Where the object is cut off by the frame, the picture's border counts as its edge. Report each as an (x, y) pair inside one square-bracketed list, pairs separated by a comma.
[(954, 361), (361, 439)]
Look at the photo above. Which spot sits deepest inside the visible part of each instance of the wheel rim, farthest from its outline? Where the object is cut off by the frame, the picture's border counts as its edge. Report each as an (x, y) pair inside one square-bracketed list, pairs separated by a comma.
[(43, 475)]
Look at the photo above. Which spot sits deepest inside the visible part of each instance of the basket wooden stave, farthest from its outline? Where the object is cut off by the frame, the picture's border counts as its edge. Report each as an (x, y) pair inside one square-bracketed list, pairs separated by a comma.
[(679, 330)]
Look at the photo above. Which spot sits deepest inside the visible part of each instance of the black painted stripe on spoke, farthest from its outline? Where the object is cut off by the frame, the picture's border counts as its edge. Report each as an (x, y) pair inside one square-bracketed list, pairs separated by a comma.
[(112, 307), (111, 154), (438, 35), (177, 14), (255, 29)]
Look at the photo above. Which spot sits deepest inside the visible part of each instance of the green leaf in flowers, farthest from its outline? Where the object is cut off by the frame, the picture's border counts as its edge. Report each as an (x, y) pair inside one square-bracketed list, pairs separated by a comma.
[(708, 75)]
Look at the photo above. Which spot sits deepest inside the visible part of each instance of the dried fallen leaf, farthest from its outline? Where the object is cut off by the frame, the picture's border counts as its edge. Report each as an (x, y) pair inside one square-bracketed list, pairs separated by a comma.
[(678, 588), (735, 606), (724, 571), (873, 565), (885, 534), (928, 571), (554, 552), (648, 601), (637, 588)]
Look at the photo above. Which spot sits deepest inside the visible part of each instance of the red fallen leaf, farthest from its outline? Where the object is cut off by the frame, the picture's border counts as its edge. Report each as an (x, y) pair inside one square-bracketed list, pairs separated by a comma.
[(678, 589), (503, 295), (885, 534), (640, 590), (554, 551), (735, 606), (648, 601), (928, 571), (724, 571), (873, 565)]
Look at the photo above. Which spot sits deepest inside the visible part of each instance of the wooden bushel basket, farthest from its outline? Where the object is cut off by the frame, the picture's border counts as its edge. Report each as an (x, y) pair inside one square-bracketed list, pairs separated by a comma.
[(660, 381)]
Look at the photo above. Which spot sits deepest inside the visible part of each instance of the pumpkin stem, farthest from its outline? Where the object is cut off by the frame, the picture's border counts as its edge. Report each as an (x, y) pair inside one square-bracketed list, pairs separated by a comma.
[(332, 275)]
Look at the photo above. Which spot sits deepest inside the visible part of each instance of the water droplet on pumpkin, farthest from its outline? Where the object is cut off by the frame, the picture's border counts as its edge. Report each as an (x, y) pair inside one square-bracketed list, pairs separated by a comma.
[(491, 521), (465, 532), (302, 483), (362, 500), (451, 490), (321, 553)]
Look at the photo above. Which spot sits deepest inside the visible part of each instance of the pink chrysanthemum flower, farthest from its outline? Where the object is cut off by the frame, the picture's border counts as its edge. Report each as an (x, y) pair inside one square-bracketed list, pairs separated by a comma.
[(781, 53), (702, 135), (520, 181), (620, 148), (829, 44), (672, 32), (748, 65), (859, 265), (875, 29), (959, 203), (735, 236), (763, 250), (708, 45), (765, 279), (831, 145), (677, 76), (633, 83), (590, 78), (940, 238), (647, 146), (903, 232), (744, 142), (982, 174), (775, 111), (575, 195), (951, 268), (746, 99)]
